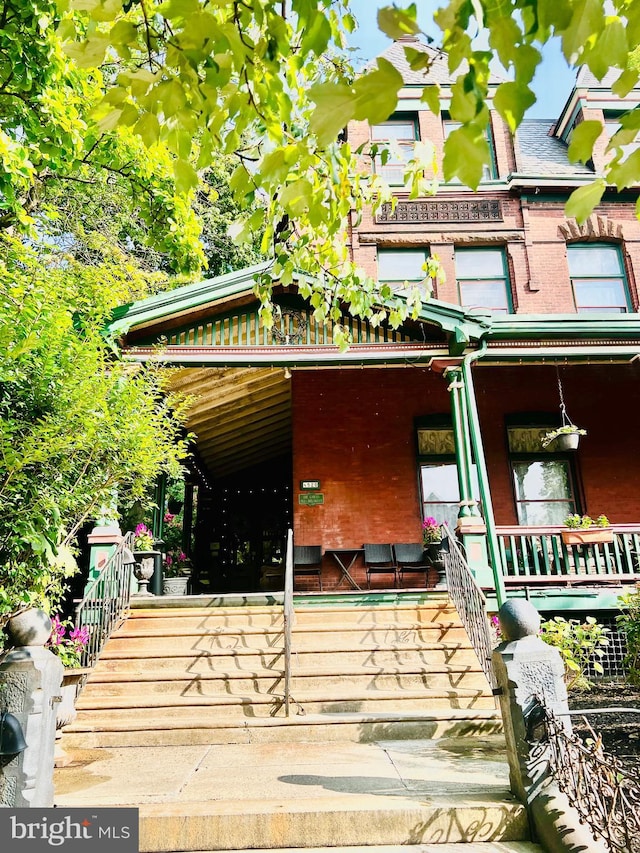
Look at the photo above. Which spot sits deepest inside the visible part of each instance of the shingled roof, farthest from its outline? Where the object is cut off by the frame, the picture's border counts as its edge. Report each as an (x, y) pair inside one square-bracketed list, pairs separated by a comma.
[(539, 154), (438, 72)]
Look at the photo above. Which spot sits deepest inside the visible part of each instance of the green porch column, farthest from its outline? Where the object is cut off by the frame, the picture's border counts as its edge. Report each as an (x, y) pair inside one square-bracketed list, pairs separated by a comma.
[(470, 527)]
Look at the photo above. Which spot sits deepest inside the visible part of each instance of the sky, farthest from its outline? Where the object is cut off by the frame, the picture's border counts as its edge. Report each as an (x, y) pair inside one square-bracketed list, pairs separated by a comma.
[(553, 81)]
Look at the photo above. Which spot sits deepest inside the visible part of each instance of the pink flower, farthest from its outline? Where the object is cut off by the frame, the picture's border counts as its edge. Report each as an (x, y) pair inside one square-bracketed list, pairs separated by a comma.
[(168, 560), (168, 517), (182, 556)]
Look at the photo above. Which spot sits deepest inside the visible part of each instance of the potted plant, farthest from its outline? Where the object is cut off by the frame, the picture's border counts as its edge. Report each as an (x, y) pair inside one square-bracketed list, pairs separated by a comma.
[(176, 573), (584, 530), (432, 539), (145, 553), (566, 437)]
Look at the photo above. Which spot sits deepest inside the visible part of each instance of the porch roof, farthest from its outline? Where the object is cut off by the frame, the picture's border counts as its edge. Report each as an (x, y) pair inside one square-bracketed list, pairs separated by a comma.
[(234, 370)]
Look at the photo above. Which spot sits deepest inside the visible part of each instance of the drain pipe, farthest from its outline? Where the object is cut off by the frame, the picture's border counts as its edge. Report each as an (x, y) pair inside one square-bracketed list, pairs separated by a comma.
[(483, 477)]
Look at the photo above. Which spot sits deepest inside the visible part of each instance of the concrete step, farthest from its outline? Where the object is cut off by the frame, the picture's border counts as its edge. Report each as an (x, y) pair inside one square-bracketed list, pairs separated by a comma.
[(157, 641), (202, 617), (238, 682), (366, 654), (196, 826), (469, 847), (274, 796), (265, 705), (138, 729)]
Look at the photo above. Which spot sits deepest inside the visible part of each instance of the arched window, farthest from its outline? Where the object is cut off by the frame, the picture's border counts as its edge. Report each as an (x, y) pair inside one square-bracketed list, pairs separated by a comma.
[(597, 278)]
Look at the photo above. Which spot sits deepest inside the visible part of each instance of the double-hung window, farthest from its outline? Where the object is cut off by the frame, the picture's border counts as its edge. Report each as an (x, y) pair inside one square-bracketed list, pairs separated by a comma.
[(543, 482), (482, 279), (489, 170), (438, 470), (597, 278), (399, 266), (399, 135)]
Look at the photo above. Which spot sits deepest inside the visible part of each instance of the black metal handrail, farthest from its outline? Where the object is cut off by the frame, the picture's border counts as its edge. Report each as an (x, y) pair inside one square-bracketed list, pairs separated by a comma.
[(106, 600), (289, 619), (471, 604), (595, 782)]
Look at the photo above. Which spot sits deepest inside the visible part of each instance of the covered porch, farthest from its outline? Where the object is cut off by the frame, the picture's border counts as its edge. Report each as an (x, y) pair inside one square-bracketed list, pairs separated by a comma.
[(442, 417)]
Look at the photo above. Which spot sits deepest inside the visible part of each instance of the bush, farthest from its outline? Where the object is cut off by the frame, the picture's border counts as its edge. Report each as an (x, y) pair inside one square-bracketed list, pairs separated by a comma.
[(578, 643), (629, 623)]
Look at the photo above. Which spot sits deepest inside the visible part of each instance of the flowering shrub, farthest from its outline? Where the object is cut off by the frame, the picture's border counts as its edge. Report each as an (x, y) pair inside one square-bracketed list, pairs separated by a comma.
[(143, 538), (67, 641), (431, 531), (176, 564)]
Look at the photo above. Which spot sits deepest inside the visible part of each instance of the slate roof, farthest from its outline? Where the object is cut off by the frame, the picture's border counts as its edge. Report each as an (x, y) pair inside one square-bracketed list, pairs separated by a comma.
[(588, 80), (437, 73), (542, 155)]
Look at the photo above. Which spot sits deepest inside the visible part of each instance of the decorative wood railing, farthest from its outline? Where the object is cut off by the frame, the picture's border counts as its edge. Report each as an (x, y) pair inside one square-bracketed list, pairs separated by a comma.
[(538, 555)]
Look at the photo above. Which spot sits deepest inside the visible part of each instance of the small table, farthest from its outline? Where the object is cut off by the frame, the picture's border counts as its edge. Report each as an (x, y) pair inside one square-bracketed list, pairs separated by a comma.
[(345, 558)]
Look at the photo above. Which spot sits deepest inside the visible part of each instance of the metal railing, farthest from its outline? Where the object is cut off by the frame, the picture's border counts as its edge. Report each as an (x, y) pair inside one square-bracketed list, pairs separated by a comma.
[(289, 619), (596, 784), (106, 600), (538, 554), (471, 604)]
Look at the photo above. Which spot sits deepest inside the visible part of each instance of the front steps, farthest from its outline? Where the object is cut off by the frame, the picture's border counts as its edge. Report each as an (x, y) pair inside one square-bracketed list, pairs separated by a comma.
[(210, 674), (392, 738)]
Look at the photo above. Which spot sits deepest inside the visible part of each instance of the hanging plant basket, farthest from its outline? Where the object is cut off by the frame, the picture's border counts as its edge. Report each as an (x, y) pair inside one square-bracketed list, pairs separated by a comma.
[(568, 441), (564, 438)]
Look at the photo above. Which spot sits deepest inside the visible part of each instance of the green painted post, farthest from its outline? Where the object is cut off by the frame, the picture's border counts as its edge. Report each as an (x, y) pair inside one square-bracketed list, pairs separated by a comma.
[(483, 477), (462, 462)]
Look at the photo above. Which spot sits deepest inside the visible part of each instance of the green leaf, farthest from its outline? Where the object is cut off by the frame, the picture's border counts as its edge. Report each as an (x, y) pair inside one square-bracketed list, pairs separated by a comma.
[(582, 201), (625, 83), (512, 100), (148, 129), (335, 107), (186, 176), (297, 197), (610, 49), (397, 23), (88, 54), (317, 36), (431, 97), (586, 21), (583, 137), (376, 93), (627, 173), (465, 153)]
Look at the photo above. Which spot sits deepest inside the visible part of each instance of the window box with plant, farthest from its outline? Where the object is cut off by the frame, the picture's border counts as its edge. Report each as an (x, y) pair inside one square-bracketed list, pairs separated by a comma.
[(584, 530)]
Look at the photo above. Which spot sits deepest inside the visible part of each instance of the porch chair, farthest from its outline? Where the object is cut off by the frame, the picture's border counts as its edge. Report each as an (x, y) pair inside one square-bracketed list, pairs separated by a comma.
[(378, 559), (410, 559), (307, 560)]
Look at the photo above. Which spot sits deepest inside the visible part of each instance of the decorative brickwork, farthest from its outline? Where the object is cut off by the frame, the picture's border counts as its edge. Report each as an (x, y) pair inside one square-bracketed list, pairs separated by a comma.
[(594, 228), (489, 210)]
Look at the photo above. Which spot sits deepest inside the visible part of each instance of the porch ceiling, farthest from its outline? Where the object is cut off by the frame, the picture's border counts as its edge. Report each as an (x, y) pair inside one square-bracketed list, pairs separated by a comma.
[(240, 416)]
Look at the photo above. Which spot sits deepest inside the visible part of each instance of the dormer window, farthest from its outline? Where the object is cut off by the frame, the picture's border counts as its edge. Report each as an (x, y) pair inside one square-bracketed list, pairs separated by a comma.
[(489, 170), (399, 133)]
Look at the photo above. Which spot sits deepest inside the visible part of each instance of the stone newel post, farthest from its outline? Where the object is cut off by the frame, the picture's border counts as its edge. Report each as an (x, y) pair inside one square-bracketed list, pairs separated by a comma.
[(526, 668), (30, 679)]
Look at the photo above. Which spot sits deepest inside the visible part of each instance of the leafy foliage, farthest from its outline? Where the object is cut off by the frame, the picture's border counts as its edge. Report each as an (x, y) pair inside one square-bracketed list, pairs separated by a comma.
[(629, 622), (75, 423), (580, 644), (267, 83)]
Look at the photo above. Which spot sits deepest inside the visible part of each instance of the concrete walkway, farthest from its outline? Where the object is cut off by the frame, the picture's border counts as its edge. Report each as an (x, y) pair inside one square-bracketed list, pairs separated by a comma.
[(305, 794)]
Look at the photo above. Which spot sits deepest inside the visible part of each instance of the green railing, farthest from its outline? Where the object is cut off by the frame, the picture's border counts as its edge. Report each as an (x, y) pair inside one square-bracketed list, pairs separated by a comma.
[(539, 555), (106, 600)]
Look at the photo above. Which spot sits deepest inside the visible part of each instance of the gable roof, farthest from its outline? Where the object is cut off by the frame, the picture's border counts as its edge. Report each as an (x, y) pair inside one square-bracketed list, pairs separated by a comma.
[(438, 72)]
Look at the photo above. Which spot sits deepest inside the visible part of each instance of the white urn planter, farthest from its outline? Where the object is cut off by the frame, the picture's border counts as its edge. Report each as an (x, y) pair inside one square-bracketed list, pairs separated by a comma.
[(175, 586)]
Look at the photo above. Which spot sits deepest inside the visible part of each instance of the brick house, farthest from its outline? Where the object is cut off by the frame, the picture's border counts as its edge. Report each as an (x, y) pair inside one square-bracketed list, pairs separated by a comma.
[(445, 415)]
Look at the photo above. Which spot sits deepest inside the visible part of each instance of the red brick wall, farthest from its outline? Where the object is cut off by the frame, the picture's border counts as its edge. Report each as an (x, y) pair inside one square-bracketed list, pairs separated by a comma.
[(354, 431)]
